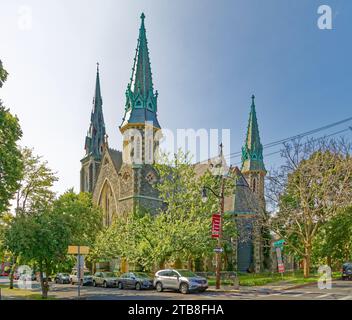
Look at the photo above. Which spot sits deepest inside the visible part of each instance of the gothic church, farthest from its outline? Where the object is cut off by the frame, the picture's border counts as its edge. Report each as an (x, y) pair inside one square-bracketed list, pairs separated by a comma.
[(120, 187)]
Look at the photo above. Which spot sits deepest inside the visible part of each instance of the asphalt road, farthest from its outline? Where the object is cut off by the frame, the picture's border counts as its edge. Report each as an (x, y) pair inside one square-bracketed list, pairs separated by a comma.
[(341, 290)]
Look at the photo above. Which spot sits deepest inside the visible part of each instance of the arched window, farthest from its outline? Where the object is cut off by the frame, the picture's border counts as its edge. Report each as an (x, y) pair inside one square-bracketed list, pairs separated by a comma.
[(107, 209)]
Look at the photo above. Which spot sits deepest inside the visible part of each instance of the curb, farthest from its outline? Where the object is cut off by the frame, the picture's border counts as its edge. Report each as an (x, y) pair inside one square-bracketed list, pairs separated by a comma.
[(222, 290), (299, 286)]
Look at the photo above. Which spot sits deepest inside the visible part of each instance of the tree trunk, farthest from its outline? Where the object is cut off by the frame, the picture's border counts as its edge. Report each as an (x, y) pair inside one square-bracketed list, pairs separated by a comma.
[(43, 284), (329, 261), (306, 261), (12, 273)]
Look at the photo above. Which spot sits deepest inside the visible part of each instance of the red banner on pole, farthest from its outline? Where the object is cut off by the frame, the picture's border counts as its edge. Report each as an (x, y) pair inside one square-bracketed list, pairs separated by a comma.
[(216, 225)]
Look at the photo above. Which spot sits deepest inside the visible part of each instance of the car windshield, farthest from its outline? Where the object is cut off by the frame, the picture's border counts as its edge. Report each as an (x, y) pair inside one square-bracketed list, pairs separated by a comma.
[(108, 274), (141, 275), (87, 274), (186, 273), (347, 265), (64, 275)]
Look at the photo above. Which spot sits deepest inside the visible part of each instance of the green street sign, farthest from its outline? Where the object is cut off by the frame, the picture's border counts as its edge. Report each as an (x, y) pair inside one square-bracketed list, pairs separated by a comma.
[(279, 243)]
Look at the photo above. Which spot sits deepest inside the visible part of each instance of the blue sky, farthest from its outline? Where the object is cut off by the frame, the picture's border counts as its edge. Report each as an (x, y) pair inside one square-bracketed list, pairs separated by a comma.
[(208, 58)]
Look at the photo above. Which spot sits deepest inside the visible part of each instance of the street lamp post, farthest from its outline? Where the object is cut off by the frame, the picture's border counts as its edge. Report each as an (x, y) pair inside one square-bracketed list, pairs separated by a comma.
[(221, 198)]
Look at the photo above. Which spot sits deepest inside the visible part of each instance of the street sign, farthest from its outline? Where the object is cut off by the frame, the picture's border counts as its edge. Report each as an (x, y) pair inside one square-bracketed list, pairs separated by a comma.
[(218, 250), (280, 264), (74, 250), (216, 225), (279, 243)]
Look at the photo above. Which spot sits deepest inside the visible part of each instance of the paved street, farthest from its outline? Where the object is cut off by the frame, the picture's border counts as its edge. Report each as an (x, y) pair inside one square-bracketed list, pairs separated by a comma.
[(341, 290)]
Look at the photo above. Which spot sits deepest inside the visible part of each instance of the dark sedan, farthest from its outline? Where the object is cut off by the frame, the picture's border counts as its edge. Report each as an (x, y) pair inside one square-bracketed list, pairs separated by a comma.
[(347, 271), (62, 278), (135, 280)]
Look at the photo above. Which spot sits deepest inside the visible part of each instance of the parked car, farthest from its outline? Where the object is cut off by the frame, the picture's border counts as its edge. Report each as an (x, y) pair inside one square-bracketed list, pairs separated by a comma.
[(347, 271), (86, 278), (37, 277), (105, 279), (135, 280), (62, 278), (184, 281), (4, 274)]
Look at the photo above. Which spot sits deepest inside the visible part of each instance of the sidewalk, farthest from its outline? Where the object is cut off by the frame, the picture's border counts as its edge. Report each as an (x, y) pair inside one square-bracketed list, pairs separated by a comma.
[(277, 286)]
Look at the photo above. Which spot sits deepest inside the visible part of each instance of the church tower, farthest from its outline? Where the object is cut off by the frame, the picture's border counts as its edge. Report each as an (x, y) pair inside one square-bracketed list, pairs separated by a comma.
[(141, 132), (254, 171), (252, 157), (94, 142), (141, 107)]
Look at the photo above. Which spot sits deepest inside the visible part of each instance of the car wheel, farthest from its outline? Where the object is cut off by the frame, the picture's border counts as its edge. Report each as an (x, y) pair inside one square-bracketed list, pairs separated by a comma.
[(94, 284), (72, 283), (56, 281), (159, 287), (105, 284), (184, 288), (120, 285), (138, 286)]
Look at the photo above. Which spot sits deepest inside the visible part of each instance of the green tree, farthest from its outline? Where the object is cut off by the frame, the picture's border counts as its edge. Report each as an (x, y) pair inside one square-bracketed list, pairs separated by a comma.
[(82, 218), (3, 75), (34, 190), (181, 231), (11, 167), (333, 244), (36, 183), (313, 191), (41, 237)]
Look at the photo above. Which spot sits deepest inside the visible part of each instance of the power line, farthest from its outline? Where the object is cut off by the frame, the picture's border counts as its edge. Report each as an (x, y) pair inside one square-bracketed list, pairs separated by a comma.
[(301, 135), (326, 136)]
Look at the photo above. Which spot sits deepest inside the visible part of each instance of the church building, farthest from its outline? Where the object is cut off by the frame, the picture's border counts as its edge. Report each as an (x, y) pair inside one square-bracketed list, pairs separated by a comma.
[(120, 186)]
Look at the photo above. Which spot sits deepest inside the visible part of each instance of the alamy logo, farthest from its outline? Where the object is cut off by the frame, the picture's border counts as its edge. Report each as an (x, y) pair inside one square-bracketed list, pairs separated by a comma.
[(325, 19), (25, 277), (324, 281)]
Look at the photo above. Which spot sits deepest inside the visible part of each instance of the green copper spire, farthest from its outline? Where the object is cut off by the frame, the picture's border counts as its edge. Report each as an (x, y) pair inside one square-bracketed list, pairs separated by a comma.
[(96, 132), (252, 151), (141, 100)]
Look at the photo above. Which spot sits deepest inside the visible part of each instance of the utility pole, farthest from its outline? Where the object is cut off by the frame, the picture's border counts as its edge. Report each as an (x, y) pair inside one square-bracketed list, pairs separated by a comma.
[(79, 272), (221, 198)]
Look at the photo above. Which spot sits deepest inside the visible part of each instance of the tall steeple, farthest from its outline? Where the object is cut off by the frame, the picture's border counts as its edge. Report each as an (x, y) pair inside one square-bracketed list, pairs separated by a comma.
[(94, 142), (96, 133), (141, 100), (252, 151)]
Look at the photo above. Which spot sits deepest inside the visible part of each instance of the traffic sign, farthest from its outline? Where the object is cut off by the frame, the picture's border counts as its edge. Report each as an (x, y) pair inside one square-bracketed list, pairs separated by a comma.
[(74, 250), (279, 243), (218, 250)]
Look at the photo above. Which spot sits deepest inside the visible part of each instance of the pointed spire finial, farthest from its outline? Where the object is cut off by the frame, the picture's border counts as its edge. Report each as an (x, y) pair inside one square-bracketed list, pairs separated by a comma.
[(142, 17), (98, 67), (221, 149), (253, 98)]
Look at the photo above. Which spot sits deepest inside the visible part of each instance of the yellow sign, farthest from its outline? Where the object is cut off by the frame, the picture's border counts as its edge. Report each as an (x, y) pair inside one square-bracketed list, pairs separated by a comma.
[(74, 250)]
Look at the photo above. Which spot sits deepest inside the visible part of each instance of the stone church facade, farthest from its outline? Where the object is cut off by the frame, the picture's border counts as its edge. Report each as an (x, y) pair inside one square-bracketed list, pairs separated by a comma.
[(122, 182)]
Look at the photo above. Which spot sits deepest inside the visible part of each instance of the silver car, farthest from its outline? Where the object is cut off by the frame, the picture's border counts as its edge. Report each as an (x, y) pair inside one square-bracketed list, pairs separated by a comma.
[(105, 279), (184, 281), (86, 278)]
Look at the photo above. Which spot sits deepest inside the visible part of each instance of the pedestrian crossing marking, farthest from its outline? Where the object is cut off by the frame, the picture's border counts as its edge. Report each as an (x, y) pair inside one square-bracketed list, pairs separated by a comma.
[(324, 296)]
